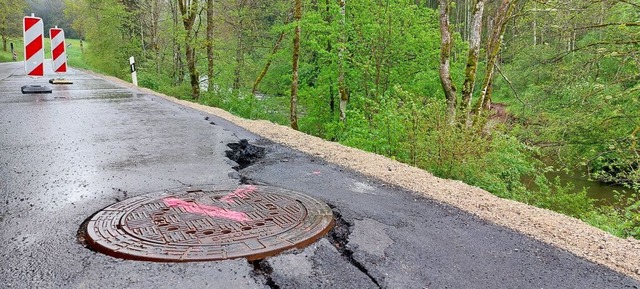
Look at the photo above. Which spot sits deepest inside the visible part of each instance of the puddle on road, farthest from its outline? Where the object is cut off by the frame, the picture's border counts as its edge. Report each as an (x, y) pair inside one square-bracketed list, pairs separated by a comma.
[(68, 95)]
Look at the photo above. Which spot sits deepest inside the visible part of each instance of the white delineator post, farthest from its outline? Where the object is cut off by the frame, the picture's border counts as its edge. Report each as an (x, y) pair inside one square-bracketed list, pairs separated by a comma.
[(33, 29), (134, 74), (58, 50)]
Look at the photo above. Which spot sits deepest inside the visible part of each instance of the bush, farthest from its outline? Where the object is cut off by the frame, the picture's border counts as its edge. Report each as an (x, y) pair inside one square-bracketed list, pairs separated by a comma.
[(151, 81)]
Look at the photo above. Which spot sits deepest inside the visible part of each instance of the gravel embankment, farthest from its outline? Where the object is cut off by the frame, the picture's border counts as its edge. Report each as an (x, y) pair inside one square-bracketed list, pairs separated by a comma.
[(570, 234)]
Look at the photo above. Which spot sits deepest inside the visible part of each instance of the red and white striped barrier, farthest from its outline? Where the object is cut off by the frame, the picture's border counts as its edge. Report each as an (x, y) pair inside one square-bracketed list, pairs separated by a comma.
[(58, 50), (33, 29)]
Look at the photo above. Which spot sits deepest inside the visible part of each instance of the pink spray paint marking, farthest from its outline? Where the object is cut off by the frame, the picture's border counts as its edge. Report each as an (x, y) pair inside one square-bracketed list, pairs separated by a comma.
[(211, 211), (240, 193)]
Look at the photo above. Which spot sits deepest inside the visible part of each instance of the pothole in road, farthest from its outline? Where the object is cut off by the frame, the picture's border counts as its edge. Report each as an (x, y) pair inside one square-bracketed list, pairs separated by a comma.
[(244, 153), (252, 222)]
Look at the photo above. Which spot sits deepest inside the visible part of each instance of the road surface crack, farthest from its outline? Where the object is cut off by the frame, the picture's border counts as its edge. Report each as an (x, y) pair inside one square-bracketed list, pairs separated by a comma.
[(245, 180), (339, 237), (264, 269)]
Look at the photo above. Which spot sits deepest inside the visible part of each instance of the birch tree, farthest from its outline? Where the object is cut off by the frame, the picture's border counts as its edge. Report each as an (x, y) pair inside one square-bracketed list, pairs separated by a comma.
[(210, 27), (474, 51), (493, 45), (446, 43), (344, 97)]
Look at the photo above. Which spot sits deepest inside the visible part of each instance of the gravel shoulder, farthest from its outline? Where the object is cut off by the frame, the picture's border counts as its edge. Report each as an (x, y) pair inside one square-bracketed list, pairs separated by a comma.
[(567, 233)]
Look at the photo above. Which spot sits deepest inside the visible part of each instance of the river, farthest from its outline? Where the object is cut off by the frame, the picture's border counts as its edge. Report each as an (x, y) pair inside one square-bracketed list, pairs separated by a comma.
[(601, 192)]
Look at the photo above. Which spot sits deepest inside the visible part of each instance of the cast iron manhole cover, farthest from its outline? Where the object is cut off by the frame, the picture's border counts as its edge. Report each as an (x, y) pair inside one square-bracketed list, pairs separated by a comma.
[(201, 225)]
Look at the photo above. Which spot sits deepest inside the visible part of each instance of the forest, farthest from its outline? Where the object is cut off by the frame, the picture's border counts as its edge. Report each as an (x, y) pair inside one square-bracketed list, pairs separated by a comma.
[(504, 95)]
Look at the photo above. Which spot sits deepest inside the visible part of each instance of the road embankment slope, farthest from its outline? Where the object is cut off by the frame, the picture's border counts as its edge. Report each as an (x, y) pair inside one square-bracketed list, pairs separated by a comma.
[(567, 233)]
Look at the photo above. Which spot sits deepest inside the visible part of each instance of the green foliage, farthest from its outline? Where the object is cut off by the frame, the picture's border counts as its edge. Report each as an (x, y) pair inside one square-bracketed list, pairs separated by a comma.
[(248, 106), (151, 80), (415, 130), (561, 198), (621, 219), (5, 56), (579, 98), (181, 91), (375, 126), (578, 105), (75, 55), (11, 13), (577, 94), (629, 212), (107, 26)]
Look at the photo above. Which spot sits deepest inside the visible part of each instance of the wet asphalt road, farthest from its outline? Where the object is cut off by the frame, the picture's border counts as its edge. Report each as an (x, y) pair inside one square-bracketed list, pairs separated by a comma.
[(66, 155)]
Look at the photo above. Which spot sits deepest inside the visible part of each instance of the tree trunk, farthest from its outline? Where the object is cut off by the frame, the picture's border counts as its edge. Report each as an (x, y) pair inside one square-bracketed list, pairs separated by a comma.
[(237, 71), (472, 59), (155, 18), (268, 64), (210, 41), (344, 96), (2, 33), (445, 55), (178, 72), (535, 26), (297, 14), (275, 49), (493, 47), (194, 76), (144, 50), (328, 19), (189, 11)]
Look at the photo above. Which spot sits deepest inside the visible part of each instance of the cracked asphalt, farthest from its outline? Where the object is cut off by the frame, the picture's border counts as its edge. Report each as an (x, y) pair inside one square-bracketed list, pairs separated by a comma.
[(68, 154)]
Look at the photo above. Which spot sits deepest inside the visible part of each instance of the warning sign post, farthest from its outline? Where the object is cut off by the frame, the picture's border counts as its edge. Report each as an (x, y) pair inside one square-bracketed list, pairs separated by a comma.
[(33, 29), (58, 55)]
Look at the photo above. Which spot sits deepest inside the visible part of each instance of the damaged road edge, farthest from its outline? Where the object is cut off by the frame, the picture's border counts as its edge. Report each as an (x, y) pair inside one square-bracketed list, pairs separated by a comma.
[(244, 153)]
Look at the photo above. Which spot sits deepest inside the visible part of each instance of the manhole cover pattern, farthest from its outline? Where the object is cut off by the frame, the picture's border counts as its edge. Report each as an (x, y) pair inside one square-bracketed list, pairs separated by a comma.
[(201, 225)]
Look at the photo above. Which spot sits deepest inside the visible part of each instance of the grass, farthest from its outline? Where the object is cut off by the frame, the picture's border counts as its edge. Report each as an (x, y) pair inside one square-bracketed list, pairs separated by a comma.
[(75, 57), (5, 56)]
